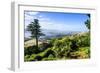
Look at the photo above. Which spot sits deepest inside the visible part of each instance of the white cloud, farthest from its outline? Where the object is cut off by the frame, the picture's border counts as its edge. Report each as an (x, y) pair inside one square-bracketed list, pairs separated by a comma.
[(44, 19), (29, 17), (40, 16), (30, 13)]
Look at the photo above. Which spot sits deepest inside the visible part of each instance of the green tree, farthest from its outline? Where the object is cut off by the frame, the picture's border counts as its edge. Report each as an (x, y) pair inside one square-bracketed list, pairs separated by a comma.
[(87, 22), (34, 28)]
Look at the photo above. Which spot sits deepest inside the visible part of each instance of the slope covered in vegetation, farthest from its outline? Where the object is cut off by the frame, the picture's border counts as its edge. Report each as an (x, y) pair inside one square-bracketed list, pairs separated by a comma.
[(75, 46)]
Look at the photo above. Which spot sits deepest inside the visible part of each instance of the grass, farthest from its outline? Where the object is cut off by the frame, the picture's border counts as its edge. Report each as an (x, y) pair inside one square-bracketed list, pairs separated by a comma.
[(31, 43)]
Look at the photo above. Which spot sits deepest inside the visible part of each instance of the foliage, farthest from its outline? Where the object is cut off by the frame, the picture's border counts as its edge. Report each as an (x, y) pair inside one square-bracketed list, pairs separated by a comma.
[(34, 28), (31, 50), (84, 52), (68, 47), (87, 22)]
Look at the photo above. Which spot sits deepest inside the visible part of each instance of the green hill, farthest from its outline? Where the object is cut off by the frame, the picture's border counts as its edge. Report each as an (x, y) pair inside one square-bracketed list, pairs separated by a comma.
[(76, 46)]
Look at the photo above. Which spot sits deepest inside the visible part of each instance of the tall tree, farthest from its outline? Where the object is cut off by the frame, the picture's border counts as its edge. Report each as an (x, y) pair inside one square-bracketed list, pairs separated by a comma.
[(34, 28), (87, 23)]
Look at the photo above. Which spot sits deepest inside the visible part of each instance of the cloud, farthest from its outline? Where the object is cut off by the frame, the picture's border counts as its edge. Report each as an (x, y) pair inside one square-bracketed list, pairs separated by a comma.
[(30, 13), (30, 16)]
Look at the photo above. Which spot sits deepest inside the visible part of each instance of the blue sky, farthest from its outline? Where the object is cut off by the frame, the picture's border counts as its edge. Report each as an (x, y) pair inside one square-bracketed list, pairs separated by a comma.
[(58, 21)]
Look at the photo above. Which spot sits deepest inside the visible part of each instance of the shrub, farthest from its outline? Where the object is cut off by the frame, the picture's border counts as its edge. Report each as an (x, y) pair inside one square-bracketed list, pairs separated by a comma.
[(51, 56), (31, 50), (38, 58), (48, 52), (84, 40), (32, 57), (44, 46), (29, 57), (26, 58), (74, 45), (82, 53)]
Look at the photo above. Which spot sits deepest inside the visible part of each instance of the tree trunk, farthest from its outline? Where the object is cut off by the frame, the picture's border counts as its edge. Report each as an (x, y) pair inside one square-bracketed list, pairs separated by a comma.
[(36, 41)]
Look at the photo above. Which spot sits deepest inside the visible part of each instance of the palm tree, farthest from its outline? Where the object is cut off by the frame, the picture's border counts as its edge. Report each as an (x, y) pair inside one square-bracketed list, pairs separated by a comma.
[(34, 28)]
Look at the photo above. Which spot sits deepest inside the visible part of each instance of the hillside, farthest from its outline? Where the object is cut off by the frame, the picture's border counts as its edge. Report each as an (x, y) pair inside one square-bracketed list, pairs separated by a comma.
[(31, 42), (76, 46)]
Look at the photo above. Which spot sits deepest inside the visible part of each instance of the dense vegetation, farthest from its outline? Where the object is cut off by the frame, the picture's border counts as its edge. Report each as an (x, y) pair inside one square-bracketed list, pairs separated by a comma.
[(76, 46)]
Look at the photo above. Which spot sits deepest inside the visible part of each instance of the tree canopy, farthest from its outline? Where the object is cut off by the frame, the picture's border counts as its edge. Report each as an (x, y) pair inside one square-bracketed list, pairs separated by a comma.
[(35, 30), (87, 22)]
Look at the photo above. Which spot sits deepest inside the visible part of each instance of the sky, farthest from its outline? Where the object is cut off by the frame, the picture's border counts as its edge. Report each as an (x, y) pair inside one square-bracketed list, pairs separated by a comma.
[(57, 21)]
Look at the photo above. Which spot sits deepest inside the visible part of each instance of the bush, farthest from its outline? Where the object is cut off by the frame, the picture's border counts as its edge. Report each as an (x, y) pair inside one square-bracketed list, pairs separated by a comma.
[(74, 45), (26, 58), (51, 56), (32, 57), (38, 58), (29, 57), (82, 53), (44, 46), (31, 50), (84, 40), (48, 52)]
